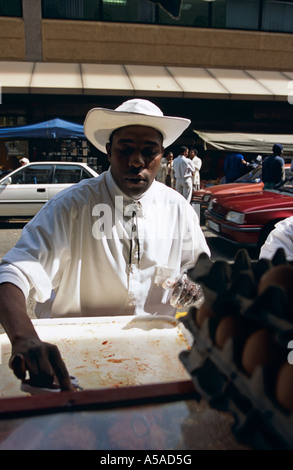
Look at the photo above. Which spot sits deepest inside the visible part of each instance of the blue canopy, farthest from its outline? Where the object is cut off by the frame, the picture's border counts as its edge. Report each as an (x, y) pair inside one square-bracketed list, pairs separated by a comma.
[(53, 129)]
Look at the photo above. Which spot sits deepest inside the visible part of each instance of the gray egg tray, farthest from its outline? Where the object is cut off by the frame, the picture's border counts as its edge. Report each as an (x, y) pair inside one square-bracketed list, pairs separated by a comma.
[(259, 420)]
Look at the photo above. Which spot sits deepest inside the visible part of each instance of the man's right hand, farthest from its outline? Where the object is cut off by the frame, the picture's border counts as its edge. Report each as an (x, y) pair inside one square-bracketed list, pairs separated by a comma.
[(42, 361)]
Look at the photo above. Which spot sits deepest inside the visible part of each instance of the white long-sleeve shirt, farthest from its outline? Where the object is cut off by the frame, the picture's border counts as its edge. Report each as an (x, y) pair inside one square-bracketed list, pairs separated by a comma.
[(183, 167), (78, 246), (197, 165)]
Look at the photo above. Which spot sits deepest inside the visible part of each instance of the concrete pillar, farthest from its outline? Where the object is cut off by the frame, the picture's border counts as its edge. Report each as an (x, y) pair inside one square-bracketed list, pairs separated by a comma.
[(32, 17)]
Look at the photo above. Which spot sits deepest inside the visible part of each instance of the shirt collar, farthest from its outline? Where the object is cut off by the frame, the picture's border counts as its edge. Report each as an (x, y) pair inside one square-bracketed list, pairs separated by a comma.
[(129, 204)]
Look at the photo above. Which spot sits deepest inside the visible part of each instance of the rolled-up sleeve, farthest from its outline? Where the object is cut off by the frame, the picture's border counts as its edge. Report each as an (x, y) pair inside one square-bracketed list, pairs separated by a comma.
[(34, 262), (10, 273)]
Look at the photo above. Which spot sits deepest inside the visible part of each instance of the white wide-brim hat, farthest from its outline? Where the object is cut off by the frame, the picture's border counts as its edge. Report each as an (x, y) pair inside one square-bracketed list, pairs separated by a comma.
[(24, 160), (101, 122)]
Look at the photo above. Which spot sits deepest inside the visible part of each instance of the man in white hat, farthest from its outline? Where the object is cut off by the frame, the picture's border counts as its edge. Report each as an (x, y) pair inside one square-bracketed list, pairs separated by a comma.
[(24, 161), (105, 246)]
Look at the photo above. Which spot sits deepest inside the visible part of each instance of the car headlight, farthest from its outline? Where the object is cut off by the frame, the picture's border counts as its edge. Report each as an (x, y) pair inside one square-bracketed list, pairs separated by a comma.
[(236, 217), (206, 198)]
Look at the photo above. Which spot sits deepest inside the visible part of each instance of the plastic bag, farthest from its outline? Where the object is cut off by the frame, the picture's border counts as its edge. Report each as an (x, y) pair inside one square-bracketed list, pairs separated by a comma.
[(185, 292)]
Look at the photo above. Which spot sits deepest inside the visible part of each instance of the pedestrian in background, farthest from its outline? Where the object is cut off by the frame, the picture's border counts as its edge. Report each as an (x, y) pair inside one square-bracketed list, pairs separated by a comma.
[(184, 170), (170, 179), (193, 155), (24, 161), (234, 164), (161, 175), (273, 167)]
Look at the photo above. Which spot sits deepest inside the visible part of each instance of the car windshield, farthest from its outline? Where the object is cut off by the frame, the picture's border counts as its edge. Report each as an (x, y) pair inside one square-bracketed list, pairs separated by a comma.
[(253, 176), (287, 186)]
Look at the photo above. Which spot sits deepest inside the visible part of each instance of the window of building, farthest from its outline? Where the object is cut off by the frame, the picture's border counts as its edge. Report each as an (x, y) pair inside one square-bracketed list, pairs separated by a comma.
[(277, 16), (113, 10), (129, 11), (14, 120), (192, 13), (11, 8), (266, 15), (243, 14)]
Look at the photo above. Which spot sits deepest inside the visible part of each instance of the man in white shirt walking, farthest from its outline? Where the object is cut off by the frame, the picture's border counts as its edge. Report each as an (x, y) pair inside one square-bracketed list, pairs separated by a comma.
[(193, 155), (105, 245), (184, 170)]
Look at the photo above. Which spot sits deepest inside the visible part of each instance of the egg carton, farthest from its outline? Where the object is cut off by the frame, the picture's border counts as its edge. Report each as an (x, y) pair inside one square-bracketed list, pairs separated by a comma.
[(231, 289)]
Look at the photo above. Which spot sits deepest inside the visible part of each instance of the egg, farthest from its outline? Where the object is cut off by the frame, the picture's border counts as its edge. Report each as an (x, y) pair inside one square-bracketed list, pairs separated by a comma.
[(204, 312), (258, 350), (284, 386), (229, 327), (281, 275)]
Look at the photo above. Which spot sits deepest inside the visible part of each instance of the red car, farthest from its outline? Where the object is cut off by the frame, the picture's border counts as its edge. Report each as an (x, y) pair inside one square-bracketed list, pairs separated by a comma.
[(247, 219), (248, 183)]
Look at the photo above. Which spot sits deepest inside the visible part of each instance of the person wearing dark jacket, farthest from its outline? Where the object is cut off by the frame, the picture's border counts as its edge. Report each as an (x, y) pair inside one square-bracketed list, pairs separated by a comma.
[(234, 165), (273, 167)]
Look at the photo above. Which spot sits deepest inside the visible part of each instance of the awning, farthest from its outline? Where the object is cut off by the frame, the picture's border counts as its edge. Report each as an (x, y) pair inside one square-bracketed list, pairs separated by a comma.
[(53, 78), (142, 80), (52, 129), (246, 143)]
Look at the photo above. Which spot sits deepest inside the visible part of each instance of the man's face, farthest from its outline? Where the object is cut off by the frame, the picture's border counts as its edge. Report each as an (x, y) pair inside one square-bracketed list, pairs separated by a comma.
[(135, 155)]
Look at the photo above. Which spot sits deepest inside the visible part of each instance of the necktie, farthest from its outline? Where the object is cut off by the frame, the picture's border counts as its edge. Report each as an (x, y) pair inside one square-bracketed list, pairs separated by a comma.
[(134, 238)]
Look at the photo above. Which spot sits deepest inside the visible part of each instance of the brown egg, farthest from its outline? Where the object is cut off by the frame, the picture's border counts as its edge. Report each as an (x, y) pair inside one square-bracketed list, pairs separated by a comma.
[(228, 327), (284, 386), (204, 311), (258, 350), (281, 275)]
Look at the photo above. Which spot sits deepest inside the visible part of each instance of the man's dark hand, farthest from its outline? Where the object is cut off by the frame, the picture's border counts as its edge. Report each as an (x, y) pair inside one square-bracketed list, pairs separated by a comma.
[(185, 292), (42, 361)]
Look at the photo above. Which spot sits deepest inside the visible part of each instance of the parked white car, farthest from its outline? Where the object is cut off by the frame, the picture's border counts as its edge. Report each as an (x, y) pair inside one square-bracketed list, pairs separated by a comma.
[(24, 191)]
